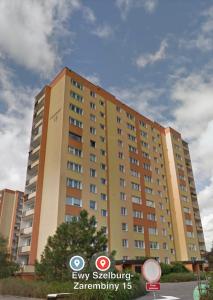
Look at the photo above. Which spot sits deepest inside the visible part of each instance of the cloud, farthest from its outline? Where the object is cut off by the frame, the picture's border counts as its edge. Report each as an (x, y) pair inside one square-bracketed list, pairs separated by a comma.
[(143, 99), (126, 5), (193, 117), (103, 32), (94, 78), (202, 38), (15, 126), (149, 59), (29, 29)]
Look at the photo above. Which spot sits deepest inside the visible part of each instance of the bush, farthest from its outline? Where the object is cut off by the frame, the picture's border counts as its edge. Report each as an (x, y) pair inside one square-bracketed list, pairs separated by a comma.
[(39, 289), (166, 269), (178, 277), (179, 268)]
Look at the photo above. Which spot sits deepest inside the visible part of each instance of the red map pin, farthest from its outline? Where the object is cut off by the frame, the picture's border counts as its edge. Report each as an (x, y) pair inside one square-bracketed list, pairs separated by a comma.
[(102, 263)]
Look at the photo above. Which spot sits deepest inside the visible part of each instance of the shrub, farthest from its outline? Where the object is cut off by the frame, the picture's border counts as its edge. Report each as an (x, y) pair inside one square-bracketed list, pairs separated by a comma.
[(166, 269), (178, 277), (179, 268), (39, 289)]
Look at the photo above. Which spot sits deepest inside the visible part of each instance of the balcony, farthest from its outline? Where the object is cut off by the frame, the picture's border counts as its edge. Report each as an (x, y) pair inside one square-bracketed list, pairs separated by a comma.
[(31, 195), (32, 180), (26, 230), (24, 249), (28, 212)]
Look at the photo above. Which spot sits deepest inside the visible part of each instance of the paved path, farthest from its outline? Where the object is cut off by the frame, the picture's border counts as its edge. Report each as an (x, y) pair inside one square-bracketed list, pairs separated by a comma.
[(182, 290)]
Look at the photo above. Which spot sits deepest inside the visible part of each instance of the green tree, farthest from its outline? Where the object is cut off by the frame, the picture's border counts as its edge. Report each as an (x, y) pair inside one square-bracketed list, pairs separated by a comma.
[(7, 267), (76, 237)]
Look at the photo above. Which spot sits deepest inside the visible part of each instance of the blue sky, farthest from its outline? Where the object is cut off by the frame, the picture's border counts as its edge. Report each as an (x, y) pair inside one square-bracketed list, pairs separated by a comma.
[(156, 55)]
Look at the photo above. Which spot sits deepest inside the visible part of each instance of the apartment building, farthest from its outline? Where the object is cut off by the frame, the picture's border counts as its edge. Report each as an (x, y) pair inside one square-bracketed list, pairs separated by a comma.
[(90, 151), (11, 205)]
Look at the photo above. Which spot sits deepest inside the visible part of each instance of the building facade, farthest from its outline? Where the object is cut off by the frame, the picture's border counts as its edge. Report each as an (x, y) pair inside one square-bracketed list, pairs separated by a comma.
[(91, 151), (11, 205)]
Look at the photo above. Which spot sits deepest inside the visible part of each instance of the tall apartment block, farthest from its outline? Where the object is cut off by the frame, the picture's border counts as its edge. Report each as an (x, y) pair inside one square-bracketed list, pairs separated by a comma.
[(90, 151), (11, 205)]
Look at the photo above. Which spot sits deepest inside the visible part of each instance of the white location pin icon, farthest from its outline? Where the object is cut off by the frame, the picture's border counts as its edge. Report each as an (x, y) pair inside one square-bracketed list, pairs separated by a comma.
[(102, 262), (76, 262)]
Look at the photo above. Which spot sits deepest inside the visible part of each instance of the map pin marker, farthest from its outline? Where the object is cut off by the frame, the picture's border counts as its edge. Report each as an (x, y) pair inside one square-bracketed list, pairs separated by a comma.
[(77, 262), (102, 262)]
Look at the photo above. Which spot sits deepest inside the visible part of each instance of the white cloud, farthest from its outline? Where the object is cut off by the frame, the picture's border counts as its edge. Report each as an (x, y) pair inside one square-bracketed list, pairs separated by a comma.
[(28, 30), (126, 5), (15, 126), (193, 117), (103, 31), (94, 78), (141, 98), (149, 59), (202, 39)]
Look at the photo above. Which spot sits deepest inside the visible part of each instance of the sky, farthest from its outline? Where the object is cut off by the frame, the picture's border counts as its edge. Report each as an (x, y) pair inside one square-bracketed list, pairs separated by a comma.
[(154, 55)]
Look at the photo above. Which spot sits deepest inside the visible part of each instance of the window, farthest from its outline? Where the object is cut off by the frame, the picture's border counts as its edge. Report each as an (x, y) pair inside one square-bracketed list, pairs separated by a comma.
[(119, 131), (137, 214), (147, 178), (120, 143), (74, 167), (76, 184), (164, 232), (144, 144), (144, 134), (92, 143), (151, 217), (92, 204), (76, 109), (183, 188), (124, 226), (118, 108), (102, 126), (75, 151), (92, 105), (186, 210), (93, 188), (143, 124), (148, 190), (192, 247), (190, 234), (123, 211), (92, 173), (101, 102), (145, 154), (132, 149), (92, 157), (135, 186), (73, 201), (184, 198), (153, 245), (129, 116), (134, 161), (69, 218), (162, 219), (125, 243), (147, 166), (122, 182), (75, 122), (153, 231), (102, 115), (92, 94), (121, 168), (136, 199), (131, 137), (120, 155), (92, 130), (92, 118), (75, 136), (104, 213), (103, 181), (103, 196), (77, 84), (131, 127), (165, 246), (102, 139), (188, 222), (150, 203), (122, 196), (118, 120), (138, 228), (103, 152), (135, 173), (139, 244), (76, 96), (103, 166)]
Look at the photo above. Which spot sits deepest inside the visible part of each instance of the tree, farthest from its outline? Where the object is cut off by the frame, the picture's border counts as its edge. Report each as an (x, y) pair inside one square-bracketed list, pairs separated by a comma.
[(7, 267), (78, 237)]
